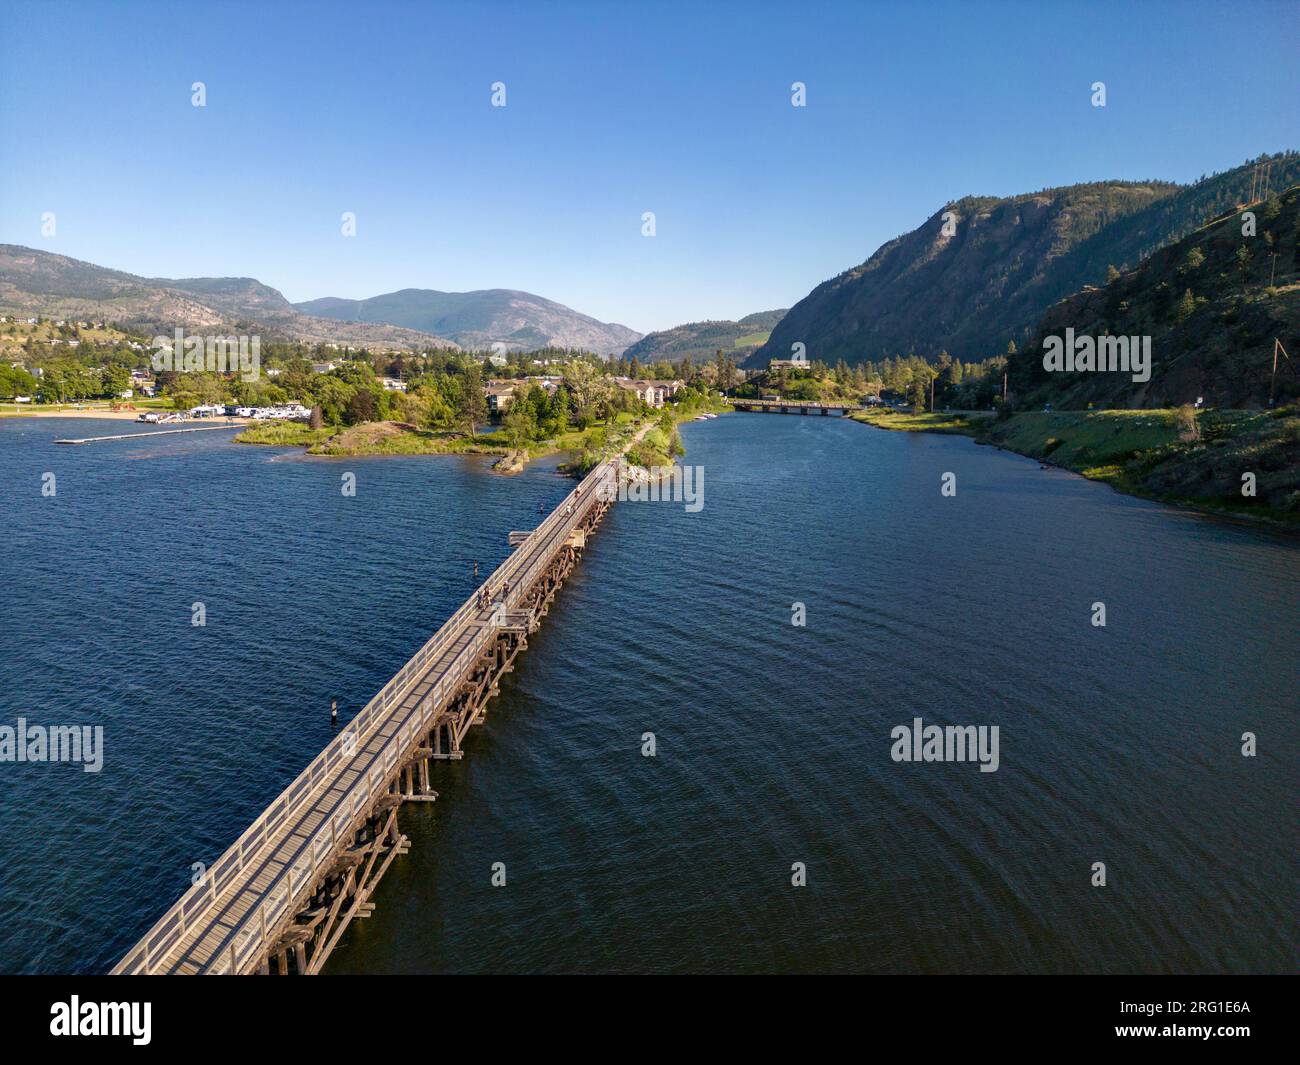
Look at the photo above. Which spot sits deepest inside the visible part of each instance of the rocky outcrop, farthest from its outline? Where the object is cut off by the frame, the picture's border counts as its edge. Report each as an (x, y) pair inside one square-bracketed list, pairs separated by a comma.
[(511, 462)]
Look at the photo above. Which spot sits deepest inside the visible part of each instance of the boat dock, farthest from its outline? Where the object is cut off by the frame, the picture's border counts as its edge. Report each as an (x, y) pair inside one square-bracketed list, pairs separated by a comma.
[(159, 432)]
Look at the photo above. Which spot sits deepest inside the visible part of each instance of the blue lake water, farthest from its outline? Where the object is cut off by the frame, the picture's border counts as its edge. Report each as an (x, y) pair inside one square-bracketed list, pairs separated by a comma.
[(1119, 745)]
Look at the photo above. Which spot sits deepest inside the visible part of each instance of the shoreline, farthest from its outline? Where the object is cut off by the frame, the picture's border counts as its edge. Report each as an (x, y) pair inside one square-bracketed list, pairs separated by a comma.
[(983, 432), (95, 413), (378, 439), (381, 439)]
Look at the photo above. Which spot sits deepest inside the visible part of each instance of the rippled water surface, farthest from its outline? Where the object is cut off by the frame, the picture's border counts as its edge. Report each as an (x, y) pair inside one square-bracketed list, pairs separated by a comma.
[(1119, 745)]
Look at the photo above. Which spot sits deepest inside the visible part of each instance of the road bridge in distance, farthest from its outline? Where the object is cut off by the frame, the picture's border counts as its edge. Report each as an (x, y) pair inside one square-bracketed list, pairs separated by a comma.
[(792, 406)]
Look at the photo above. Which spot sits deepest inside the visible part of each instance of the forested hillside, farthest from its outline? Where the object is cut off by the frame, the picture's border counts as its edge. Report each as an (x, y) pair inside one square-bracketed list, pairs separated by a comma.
[(1212, 303), (981, 272), (701, 341)]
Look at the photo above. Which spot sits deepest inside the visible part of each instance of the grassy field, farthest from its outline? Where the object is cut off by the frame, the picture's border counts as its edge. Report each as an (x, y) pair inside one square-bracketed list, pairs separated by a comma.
[(1148, 453), (1087, 438), (937, 422)]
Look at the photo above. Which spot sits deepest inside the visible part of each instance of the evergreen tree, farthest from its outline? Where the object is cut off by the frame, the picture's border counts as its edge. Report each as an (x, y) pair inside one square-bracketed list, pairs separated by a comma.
[(916, 394), (471, 407)]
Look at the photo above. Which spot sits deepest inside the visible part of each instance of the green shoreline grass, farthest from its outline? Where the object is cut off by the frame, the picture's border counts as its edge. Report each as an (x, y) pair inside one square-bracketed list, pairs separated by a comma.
[(395, 438), (937, 422), (1143, 453)]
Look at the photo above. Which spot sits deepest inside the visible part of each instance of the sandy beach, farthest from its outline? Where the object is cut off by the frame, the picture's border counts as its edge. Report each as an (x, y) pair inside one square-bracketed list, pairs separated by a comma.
[(8, 410), (99, 414)]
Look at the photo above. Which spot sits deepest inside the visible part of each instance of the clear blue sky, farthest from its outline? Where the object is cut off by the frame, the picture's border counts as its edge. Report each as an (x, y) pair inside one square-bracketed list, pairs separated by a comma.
[(613, 109)]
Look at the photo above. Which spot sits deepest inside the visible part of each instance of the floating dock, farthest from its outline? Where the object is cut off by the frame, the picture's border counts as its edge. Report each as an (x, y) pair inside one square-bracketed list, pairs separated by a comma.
[(160, 432)]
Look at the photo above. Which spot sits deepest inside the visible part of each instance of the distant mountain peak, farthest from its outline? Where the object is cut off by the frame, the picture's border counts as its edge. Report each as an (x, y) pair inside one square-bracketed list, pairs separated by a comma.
[(482, 318)]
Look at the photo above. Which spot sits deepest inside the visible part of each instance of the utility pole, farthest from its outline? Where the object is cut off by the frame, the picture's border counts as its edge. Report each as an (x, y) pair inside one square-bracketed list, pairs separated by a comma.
[(1272, 385)]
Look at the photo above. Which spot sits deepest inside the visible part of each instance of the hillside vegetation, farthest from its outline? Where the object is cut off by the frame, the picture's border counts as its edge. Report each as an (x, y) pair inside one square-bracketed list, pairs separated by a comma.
[(19, 338), (1244, 463), (1178, 456), (1213, 303), (701, 341), (985, 279)]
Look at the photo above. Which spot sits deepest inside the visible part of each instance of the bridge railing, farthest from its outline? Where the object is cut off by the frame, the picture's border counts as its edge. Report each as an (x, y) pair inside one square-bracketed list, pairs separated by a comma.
[(190, 907), (829, 404)]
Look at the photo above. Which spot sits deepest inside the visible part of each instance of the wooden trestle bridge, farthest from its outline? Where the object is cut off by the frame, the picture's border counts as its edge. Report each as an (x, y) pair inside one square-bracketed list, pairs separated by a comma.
[(281, 897)]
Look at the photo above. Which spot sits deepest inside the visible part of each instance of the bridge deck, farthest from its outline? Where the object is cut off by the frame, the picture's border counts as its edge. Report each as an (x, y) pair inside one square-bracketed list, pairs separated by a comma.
[(223, 924), (786, 406)]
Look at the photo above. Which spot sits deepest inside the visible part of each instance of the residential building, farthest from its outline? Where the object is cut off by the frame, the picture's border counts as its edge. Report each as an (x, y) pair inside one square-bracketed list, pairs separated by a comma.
[(649, 392), (499, 394)]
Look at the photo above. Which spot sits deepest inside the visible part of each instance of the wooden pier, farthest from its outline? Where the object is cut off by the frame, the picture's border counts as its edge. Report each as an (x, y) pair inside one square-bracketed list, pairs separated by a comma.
[(279, 899), (156, 432), (789, 406)]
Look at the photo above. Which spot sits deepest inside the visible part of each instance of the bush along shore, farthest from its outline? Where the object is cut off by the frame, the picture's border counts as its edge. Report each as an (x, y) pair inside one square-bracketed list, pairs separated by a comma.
[(373, 438), (1244, 463), (658, 445), (650, 443)]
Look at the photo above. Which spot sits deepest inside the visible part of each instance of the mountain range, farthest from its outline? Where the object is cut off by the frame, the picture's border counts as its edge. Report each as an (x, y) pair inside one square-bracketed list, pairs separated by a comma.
[(481, 319), (982, 271), (34, 282), (978, 274), (701, 341)]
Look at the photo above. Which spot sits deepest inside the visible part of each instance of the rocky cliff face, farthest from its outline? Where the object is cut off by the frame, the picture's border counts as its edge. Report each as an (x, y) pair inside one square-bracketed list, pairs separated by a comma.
[(970, 279)]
